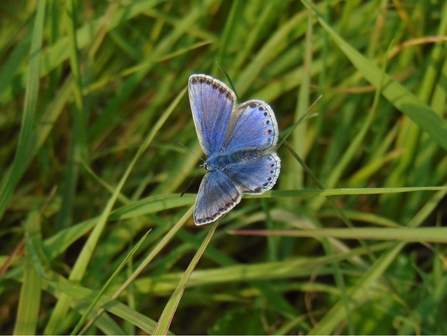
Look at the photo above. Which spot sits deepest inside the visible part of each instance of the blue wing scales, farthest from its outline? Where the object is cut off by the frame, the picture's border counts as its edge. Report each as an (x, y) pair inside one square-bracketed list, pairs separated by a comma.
[(211, 104), (217, 195), (253, 125), (257, 176)]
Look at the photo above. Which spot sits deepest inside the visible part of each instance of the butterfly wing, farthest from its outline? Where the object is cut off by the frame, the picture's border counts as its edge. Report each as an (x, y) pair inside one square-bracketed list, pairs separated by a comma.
[(252, 126), (211, 104), (257, 176), (224, 127), (217, 195)]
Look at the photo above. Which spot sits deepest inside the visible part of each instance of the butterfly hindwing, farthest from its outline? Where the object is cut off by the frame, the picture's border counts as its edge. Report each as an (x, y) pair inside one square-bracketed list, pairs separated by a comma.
[(256, 176), (217, 195)]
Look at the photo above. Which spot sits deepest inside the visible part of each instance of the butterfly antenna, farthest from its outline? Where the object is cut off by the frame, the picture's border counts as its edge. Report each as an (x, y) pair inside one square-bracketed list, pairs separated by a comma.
[(299, 121), (191, 182), (189, 150)]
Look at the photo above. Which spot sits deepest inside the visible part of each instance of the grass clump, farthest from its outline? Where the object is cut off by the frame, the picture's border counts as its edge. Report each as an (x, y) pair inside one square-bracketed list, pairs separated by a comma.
[(352, 239)]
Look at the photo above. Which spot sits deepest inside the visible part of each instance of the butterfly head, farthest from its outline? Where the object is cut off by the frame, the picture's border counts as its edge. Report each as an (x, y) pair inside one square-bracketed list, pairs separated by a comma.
[(205, 165)]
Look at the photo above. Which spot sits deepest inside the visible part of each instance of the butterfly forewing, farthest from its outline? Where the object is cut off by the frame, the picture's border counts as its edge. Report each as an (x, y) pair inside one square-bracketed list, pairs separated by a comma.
[(211, 104)]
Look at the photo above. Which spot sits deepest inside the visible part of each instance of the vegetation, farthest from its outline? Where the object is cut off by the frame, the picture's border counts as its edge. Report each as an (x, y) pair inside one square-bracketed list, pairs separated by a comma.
[(95, 237)]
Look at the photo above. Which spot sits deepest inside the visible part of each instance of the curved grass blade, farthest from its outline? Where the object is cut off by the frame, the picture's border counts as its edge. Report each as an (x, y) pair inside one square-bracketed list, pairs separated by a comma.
[(163, 242), (402, 99), (104, 288), (26, 136), (84, 258), (168, 313)]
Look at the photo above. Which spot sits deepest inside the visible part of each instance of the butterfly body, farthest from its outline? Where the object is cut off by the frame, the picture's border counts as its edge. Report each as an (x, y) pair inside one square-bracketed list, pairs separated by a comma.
[(239, 140), (221, 161)]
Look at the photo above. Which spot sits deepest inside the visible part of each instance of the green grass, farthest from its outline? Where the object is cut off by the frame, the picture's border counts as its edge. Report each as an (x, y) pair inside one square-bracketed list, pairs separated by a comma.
[(352, 240)]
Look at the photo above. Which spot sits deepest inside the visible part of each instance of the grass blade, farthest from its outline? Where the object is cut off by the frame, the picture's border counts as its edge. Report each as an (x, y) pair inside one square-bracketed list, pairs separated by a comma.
[(168, 312), (26, 136)]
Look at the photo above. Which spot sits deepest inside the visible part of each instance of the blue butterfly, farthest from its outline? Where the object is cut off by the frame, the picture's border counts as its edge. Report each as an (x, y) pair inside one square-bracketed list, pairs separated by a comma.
[(239, 140)]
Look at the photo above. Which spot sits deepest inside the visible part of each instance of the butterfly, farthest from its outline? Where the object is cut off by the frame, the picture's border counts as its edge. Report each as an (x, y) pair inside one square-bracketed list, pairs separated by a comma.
[(239, 141)]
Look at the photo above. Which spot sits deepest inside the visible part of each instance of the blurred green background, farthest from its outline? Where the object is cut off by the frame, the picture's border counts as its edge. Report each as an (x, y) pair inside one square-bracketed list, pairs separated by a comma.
[(92, 98)]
